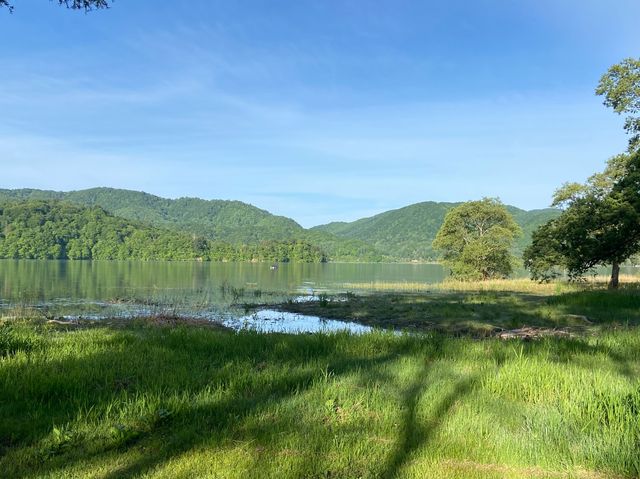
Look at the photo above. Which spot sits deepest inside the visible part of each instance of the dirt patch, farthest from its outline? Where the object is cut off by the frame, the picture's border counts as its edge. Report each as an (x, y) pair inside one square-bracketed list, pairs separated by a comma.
[(160, 321), (529, 333)]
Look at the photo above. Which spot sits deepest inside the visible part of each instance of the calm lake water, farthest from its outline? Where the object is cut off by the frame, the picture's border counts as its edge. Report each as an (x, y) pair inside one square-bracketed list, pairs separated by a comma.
[(99, 289)]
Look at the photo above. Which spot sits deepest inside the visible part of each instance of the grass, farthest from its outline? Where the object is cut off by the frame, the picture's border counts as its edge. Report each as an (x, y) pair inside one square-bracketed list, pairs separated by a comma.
[(130, 399), (520, 285), (481, 312), (171, 398)]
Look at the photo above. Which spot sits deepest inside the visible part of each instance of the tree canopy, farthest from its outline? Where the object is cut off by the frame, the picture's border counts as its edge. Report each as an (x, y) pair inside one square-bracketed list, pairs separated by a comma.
[(620, 87), (475, 240), (600, 224), (407, 234), (220, 221), (37, 229)]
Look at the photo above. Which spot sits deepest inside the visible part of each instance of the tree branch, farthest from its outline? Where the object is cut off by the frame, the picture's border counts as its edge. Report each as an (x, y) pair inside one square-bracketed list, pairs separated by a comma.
[(86, 5)]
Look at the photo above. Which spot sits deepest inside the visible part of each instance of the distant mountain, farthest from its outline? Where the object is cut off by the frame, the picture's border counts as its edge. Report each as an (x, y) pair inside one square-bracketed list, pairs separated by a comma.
[(404, 234), (407, 233), (529, 220), (233, 222)]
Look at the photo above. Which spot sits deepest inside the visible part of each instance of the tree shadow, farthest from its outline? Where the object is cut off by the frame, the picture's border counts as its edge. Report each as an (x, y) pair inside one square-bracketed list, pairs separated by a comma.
[(415, 433), (208, 355), (216, 419), (481, 313), (174, 435)]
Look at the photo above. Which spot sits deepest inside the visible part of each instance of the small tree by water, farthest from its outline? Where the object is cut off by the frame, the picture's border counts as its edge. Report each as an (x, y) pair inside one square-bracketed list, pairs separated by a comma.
[(475, 240)]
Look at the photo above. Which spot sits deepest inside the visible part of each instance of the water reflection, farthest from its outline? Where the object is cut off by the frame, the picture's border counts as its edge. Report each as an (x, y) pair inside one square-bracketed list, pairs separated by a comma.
[(125, 289), (33, 281), (271, 321)]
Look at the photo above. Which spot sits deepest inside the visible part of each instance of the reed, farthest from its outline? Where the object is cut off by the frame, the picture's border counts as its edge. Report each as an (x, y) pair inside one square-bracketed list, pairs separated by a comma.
[(520, 285)]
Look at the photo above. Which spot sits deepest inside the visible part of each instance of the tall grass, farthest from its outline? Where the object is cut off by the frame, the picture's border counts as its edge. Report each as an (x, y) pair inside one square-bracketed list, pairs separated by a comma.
[(193, 402), (521, 285)]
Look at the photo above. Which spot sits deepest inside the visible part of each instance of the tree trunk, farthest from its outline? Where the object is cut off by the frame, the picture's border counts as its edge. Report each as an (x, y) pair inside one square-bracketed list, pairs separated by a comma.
[(615, 275)]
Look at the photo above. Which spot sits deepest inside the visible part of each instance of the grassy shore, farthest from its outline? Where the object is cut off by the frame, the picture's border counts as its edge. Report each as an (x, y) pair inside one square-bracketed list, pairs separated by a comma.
[(520, 285), (172, 400), (484, 309)]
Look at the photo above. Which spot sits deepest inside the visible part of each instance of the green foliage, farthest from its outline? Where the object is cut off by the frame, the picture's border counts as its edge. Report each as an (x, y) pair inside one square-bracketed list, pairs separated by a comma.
[(86, 5), (228, 224), (543, 258), (621, 89), (601, 220), (475, 240), (400, 235), (38, 229), (230, 221), (600, 225), (344, 249)]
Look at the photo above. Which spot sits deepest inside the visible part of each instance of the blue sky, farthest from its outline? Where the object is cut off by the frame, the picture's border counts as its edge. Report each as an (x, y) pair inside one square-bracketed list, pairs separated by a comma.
[(317, 110)]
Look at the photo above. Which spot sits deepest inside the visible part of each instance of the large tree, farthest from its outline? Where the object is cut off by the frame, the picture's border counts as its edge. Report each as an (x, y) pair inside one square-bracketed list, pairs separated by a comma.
[(85, 5), (475, 240), (601, 219), (600, 224)]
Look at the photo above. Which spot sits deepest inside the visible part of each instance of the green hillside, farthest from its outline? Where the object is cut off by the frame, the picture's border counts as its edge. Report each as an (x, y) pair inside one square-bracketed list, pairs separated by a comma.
[(529, 222), (231, 222), (53, 229), (402, 234), (407, 233)]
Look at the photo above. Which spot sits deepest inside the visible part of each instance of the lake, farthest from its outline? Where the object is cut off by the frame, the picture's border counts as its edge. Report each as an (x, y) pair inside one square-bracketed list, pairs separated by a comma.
[(99, 289)]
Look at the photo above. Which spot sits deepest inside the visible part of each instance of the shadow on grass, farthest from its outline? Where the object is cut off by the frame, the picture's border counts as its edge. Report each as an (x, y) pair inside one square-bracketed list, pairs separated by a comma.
[(481, 314), (416, 434), (166, 363), (250, 374), (216, 420)]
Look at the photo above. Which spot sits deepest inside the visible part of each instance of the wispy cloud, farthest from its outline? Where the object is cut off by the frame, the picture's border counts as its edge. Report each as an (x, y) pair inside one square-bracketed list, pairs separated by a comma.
[(320, 111)]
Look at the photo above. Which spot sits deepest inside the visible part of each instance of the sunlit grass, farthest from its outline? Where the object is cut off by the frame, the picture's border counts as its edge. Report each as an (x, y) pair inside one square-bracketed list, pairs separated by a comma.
[(520, 285), (142, 401)]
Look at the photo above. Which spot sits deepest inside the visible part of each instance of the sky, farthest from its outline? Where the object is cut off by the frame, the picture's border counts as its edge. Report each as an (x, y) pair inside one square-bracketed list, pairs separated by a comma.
[(319, 110)]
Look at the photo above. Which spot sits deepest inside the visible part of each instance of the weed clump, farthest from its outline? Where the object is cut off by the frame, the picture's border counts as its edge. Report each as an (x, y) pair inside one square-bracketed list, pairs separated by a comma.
[(17, 337)]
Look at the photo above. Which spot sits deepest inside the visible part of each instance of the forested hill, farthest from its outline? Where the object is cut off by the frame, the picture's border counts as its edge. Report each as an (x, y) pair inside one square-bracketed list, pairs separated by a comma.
[(407, 233), (231, 221), (397, 235), (51, 229)]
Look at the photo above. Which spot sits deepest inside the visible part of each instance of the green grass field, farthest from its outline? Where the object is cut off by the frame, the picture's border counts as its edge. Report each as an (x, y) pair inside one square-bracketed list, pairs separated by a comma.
[(163, 399)]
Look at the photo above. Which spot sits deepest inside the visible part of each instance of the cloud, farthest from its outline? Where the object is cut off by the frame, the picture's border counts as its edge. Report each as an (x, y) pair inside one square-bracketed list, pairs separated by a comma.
[(316, 121)]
